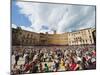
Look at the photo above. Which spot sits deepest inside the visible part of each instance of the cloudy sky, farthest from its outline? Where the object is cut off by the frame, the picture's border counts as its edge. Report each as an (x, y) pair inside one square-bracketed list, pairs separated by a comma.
[(44, 17)]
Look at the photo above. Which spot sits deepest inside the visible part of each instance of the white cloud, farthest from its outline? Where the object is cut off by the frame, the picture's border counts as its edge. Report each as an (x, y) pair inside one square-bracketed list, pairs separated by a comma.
[(27, 28), (57, 16), (14, 26), (23, 27)]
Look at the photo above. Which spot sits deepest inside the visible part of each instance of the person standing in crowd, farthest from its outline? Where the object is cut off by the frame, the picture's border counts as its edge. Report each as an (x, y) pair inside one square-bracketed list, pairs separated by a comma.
[(27, 67), (73, 66), (16, 58), (57, 64), (22, 69), (66, 64), (34, 67), (62, 64), (27, 58), (46, 68), (41, 67), (67, 58)]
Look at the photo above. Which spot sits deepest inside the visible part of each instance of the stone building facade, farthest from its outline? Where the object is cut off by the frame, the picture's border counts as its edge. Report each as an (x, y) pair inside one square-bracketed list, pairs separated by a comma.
[(27, 38), (84, 36)]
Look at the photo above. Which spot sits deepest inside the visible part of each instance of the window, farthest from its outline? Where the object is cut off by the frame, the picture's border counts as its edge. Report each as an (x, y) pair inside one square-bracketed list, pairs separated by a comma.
[(91, 41), (24, 41), (83, 41), (31, 35), (25, 36), (89, 31), (82, 32), (86, 41), (90, 37)]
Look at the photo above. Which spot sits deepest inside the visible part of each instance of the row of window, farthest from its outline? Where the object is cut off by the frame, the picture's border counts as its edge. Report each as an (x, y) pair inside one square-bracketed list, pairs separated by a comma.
[(76, 33), (81, 41)]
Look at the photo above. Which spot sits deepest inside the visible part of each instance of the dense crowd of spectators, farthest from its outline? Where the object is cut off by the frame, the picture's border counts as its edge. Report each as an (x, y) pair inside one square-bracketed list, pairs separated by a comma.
[(39, 59)]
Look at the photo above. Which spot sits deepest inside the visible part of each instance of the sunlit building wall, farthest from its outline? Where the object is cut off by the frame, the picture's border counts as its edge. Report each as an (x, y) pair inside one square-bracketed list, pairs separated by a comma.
[(27, 38)]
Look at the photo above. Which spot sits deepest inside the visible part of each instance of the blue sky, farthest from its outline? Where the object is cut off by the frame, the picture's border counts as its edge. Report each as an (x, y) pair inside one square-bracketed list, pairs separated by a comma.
[(44, 17), (17, 18)]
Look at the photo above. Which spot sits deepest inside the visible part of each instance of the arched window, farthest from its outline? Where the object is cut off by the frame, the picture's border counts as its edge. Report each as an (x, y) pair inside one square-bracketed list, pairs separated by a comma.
[(31, 36), (27, 35), (86, 41)]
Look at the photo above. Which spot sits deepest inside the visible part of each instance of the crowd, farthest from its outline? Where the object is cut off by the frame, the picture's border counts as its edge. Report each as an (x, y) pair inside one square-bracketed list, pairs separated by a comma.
[(39, 59)]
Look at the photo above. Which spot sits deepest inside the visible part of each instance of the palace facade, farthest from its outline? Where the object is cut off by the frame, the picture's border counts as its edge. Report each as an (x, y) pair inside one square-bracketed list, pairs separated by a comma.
[(27, 38)]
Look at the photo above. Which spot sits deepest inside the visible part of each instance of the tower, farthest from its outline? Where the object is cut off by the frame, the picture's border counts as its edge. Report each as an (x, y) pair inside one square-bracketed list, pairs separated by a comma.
[(54, 31)]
